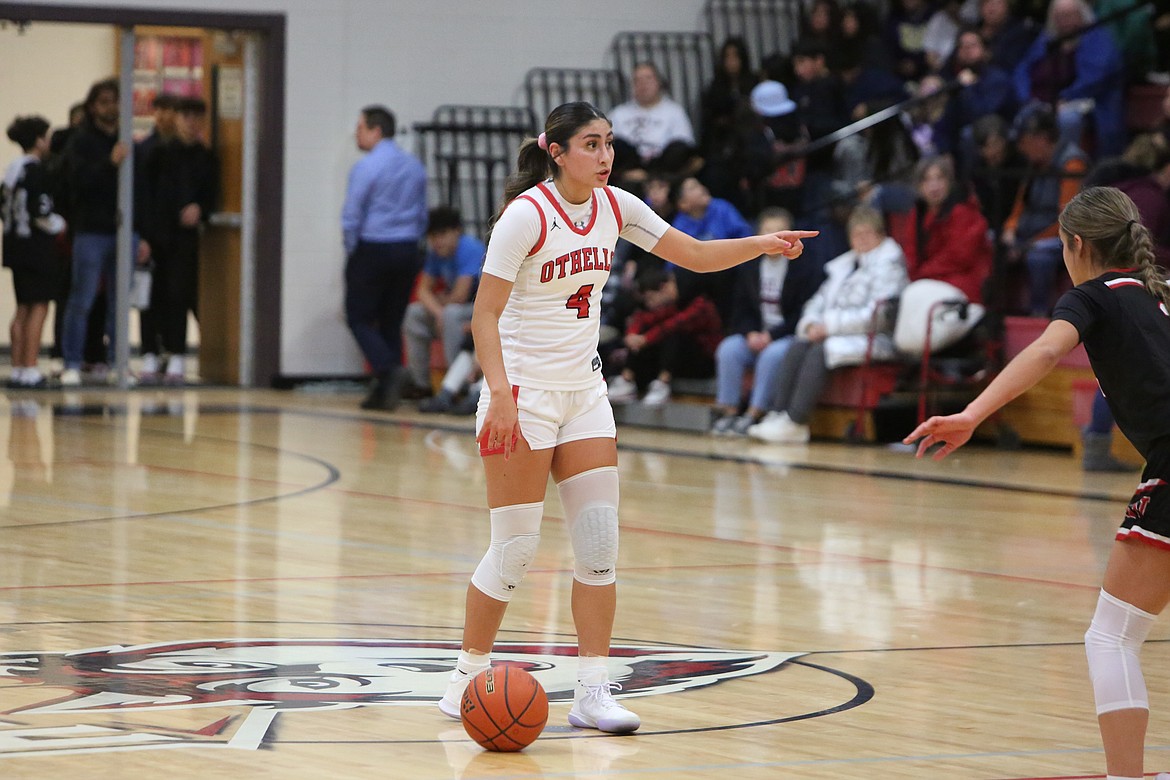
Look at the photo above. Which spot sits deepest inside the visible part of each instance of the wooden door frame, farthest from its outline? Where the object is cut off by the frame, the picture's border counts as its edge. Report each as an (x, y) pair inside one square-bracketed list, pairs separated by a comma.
[(270, 155)]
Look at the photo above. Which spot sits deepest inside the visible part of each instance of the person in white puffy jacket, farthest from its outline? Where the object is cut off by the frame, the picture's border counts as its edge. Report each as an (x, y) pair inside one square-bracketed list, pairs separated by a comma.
[(835, 328)]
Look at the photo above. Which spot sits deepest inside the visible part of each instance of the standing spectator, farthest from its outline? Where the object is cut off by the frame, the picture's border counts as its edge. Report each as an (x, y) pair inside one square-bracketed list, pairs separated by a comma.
[(63, 245), (1008, 37), (944, 236), (1030, 233), (60, 137), (725, 104), (446, 292), (652, 131), (93, 157), (770, 294), (181, 189), (29, 224), (665, 338), (384, 217), (835, 328), (705, 218), (1077, 74)]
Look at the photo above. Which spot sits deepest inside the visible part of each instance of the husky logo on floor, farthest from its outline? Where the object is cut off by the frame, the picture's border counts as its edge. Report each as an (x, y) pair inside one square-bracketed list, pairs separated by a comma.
[(271, 676)]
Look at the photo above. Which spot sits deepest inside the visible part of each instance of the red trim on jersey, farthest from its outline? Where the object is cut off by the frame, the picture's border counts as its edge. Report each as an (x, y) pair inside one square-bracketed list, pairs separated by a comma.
[(557, 205), (543, 226), (617, 213), (484, 451), (1114, 283)]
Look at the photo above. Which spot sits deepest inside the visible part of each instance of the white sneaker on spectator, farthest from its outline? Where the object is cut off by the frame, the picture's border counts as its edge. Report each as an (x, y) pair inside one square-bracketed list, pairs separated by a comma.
[(176, 371), (595, 708), (71, 377), (778, 428), (622, 390), (657, 394)]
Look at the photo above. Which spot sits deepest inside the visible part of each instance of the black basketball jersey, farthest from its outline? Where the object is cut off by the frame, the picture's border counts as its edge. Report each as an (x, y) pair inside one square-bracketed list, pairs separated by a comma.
[(26, 210), (1126, 333)]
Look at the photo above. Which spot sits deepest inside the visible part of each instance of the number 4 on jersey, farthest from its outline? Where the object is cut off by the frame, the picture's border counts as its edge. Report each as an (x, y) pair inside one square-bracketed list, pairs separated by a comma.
[(580, 301)]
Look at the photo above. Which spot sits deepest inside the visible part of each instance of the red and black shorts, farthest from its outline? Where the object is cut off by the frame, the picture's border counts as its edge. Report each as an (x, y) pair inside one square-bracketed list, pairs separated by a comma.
[(1147, 518)]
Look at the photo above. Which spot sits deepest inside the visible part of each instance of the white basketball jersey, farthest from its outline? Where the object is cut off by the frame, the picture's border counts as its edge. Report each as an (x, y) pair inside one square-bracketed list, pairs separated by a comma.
[(558, 256)]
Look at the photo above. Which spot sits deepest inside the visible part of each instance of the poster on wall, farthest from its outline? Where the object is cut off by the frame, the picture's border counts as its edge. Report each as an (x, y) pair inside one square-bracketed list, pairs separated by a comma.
[(171, 64)]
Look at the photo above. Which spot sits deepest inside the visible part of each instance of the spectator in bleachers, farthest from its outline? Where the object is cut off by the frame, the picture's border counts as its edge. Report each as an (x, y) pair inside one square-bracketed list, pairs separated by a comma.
[(1139, 159), (459, 390), (861, 40), (821, 25), (725, 101), (705, 218), (1030, 233), (945, 236), (926, 118), (445, 292), (906, 34), (820, 106), (1133, 33), (997, 171), (772, 176), (1163, 126), (770, 294), (1079, 75), (651, 132), (1151, 194), (985, 89), (1008, 37), (836, 326), (669, 336)]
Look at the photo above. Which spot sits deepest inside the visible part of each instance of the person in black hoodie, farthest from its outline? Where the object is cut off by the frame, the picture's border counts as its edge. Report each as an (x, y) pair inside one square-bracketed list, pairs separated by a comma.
[(770, 293), (181, 187), (92, 159)]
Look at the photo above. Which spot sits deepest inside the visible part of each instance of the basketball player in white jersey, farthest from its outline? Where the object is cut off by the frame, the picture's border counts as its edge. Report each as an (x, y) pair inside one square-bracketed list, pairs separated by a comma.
[(543, 408)]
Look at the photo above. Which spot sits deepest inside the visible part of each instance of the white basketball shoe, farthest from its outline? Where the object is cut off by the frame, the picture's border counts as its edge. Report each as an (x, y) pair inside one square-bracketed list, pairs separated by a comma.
[(595, 708)]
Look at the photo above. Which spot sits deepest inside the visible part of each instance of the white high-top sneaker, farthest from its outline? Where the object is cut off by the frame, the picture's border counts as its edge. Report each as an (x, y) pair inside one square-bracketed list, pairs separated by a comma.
[(449, 704), (595, 708)]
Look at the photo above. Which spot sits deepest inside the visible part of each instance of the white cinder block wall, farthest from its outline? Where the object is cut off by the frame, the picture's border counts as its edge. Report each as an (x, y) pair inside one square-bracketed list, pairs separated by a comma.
[(412, 55)]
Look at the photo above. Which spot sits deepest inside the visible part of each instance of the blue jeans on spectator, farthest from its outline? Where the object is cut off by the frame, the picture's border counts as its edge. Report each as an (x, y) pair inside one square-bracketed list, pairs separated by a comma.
[(1043, 258), (733, 358), (1101, 420), (94, 256)]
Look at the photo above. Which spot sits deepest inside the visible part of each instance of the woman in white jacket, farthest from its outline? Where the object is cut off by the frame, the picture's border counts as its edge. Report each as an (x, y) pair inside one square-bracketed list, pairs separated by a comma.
[(834, 329)]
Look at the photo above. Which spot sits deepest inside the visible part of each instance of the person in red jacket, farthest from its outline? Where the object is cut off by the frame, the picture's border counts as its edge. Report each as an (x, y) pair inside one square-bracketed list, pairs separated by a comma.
[(670, 335), (945, 235)]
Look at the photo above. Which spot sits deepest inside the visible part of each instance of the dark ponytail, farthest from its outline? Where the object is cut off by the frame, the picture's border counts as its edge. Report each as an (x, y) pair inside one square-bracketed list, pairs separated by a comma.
[(533, 164), (1108, 221)]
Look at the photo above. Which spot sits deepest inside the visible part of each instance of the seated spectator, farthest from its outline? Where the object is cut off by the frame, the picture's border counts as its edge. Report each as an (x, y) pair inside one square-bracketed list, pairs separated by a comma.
[(906, 35), (766, 165), (703, 217), (668, 337), (1151, 194), (861, 40), (1133, 34), (1030, 232), (446, 292), (944, 236), (651, 132), (1008, 37), (874, 166), (1138, 159), (927, 128), (836, 326), (820, 106), (821, 26), (724, 105), (1079, 76), (997, 171), (985, 89), (770, 294)]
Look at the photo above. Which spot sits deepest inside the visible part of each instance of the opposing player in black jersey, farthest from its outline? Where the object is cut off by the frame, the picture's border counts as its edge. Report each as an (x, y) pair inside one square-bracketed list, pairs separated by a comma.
[(1120, 310), (26, 209)]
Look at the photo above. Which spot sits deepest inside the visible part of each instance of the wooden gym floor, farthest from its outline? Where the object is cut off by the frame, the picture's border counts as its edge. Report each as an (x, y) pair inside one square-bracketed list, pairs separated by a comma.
[(225, 584)]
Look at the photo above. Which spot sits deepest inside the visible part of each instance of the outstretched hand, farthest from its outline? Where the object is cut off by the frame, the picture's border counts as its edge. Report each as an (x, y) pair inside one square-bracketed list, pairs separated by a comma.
[(788, 242), (952, 431)]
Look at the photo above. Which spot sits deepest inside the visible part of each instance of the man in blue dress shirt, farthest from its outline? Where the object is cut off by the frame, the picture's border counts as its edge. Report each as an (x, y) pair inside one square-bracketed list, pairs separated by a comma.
[(382, 223)]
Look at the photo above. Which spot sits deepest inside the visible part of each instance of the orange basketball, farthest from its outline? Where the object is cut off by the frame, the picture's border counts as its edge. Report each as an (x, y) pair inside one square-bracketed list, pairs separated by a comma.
[(504, 709)]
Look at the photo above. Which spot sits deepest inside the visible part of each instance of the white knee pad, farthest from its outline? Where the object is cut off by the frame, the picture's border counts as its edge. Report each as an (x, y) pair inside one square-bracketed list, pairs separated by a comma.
[(591, 512), (1112, 645), (515, 537)]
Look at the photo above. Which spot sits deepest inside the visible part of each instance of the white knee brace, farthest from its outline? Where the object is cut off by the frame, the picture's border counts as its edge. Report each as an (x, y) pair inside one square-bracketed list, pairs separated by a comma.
[(591, 512), (1112, 645), (515, 536)]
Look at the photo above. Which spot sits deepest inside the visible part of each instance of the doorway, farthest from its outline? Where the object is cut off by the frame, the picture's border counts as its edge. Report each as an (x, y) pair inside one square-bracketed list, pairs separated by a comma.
[(236, 63)]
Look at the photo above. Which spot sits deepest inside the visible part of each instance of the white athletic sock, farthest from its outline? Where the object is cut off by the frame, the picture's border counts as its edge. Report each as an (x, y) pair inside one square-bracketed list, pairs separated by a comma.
[(18, 374), (592, 670), (472, 663)]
